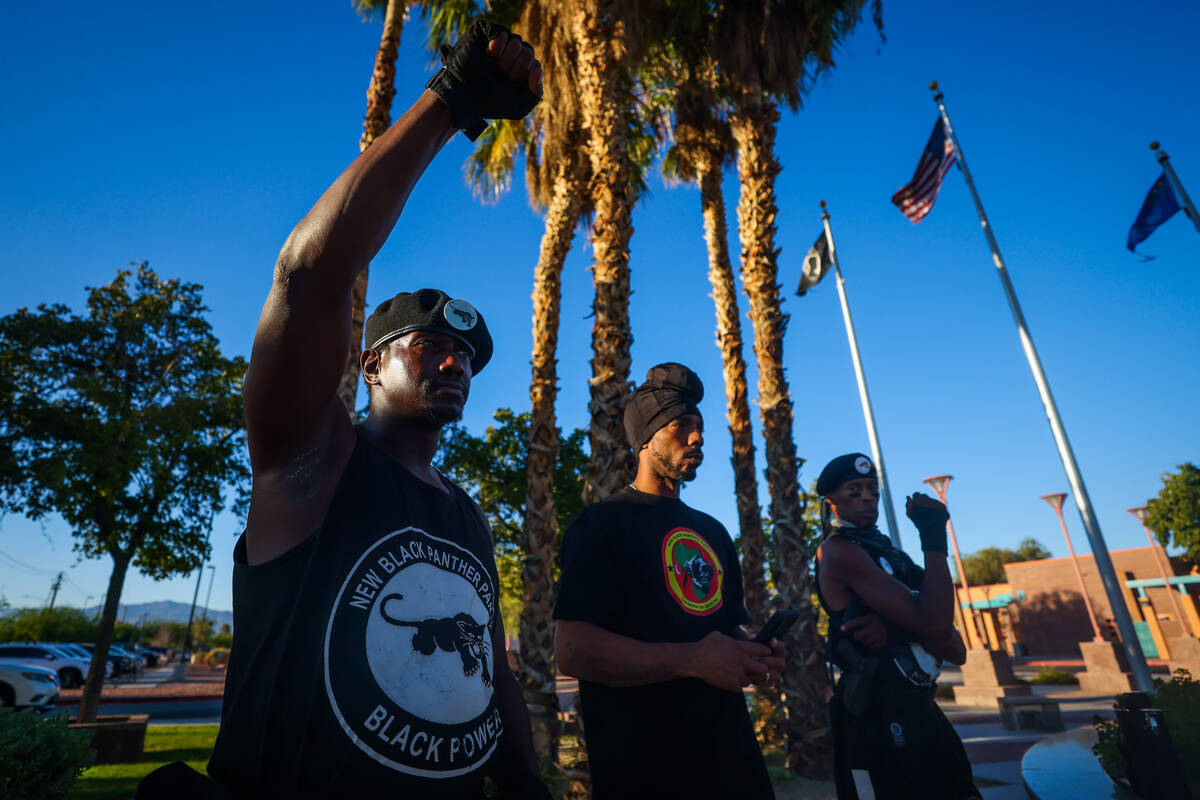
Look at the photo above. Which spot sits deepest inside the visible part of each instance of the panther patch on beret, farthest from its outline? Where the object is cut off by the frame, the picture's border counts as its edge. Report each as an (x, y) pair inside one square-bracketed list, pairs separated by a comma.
[(430, 310)]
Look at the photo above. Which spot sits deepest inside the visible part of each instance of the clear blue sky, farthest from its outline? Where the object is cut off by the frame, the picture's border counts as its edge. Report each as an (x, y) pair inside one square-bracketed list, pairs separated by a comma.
[(196, 136)]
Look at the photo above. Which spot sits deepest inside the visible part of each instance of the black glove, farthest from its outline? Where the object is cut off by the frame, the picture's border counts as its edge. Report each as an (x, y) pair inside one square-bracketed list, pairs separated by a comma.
[(475, 90), (931, 525)]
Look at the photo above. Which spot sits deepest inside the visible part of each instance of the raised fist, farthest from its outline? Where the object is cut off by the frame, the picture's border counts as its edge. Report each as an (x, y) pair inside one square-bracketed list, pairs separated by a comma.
[(489, 73), (930, 517)]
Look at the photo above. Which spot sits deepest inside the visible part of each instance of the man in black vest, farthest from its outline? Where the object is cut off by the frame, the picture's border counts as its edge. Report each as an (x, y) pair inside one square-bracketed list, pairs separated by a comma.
[(889, 734), (368, 649), (649, 616)]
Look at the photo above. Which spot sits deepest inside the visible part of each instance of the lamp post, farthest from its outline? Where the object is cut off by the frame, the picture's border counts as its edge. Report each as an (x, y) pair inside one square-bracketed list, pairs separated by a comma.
[(1139, 513), (1056, 502), (939, 483)]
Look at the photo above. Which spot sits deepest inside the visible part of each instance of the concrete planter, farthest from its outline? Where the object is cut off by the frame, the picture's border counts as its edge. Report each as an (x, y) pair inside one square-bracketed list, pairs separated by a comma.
[(117, 739)]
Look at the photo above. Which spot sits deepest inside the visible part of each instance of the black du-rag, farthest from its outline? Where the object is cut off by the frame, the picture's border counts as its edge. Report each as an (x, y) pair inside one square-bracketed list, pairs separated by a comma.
[(670, 391)]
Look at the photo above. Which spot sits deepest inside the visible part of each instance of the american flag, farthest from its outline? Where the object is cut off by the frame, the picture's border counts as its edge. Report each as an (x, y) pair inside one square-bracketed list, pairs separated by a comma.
[(915, 198)]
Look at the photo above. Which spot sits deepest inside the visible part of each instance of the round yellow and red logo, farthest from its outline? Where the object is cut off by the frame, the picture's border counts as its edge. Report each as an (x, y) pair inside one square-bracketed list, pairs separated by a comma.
[(692, 571)]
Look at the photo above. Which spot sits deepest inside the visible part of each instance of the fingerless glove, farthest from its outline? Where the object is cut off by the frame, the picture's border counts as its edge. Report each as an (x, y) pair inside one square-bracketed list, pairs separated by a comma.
[(931, 525), (473, 89)]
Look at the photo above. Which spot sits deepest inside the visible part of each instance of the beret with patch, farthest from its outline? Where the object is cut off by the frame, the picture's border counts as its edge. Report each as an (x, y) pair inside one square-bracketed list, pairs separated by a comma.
[(842, 469), (670, 391), (430, 310)]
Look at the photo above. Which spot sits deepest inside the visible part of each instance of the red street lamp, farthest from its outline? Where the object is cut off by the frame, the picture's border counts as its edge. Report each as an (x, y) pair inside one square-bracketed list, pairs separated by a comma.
[(939, 483), (1139, 512), (1056, 502)]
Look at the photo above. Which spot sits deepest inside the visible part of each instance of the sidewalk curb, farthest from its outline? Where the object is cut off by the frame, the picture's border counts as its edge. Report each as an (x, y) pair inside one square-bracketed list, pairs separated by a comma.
[(112, 700)]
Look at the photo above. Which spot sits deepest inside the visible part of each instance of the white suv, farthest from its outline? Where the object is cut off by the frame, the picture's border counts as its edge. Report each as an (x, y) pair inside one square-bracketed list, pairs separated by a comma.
[(71, 671), (24, 686), (75, 651)]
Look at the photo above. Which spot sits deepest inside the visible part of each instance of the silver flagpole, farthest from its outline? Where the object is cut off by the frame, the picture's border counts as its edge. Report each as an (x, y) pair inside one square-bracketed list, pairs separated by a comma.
[(1129, 640), (863, 395), (1188, 208)]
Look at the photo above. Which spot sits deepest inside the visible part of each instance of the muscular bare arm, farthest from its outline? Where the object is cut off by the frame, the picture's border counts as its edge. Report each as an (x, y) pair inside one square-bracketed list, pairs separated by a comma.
[(298, 433), (591, 653), (948, 648), (929, 614), (303, 333)]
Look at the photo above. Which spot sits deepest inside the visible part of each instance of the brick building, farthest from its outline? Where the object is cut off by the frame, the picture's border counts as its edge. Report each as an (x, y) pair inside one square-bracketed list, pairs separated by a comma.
[(1041, 613)]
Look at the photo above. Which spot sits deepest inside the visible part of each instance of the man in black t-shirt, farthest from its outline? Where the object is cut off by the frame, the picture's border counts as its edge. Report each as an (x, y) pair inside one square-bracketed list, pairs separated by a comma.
[(649, 614), (368, 655)]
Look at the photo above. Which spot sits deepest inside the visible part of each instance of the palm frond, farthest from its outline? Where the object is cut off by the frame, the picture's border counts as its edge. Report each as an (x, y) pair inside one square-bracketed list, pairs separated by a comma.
[(489, 168), (370, 10)]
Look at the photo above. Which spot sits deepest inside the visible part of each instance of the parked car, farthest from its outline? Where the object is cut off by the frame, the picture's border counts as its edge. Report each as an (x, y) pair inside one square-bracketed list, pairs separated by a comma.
[(120, 664), (75, 651), (25, 686), (136, 662), (165, 654), (149, 656), (70, 671)]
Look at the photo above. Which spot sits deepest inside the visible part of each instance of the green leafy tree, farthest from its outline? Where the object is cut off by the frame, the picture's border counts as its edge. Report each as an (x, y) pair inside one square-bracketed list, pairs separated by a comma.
[(987, 565), (47, 625), (491, 468), (1175, 514), (127, 423)]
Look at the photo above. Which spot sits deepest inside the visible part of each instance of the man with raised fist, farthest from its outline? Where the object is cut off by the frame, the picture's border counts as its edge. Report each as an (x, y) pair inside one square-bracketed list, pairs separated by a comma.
[(368, 647), (891, 624)]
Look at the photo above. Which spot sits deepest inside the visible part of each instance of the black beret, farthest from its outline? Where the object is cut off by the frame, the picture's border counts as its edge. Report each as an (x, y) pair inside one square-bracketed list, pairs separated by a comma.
[(842, 469), (431, 310), (670, 391)]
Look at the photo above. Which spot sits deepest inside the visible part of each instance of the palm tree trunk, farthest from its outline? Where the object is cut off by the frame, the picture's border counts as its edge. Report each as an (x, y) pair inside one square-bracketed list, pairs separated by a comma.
[(729, 339), (89, 704), (536, 658), (805, 683), (379, 116), (612, 464)]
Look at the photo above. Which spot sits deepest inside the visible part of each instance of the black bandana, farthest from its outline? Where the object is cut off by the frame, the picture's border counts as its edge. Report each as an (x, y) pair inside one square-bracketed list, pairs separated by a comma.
[(670, 391)]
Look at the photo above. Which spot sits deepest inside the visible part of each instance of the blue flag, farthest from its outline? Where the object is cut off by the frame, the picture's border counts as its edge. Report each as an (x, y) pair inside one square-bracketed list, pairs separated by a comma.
[(1159, 207)]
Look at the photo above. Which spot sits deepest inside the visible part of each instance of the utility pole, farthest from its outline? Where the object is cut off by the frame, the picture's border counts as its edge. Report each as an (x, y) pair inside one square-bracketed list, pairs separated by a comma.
[(54, 590), (208, 596), (185, 654)]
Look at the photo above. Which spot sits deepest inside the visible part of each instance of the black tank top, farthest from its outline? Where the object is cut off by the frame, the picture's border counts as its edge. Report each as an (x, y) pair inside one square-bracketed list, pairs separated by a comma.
[(362, 658), (891, 560)]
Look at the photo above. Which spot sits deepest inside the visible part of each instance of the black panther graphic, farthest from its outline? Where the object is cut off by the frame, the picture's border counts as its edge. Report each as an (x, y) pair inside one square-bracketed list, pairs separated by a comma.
[(690, 565), (460, 632), (467, 317), (701, 573)]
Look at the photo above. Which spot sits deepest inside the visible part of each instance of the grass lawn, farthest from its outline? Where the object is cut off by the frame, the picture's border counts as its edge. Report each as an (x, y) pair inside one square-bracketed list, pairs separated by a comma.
[(192, 744)]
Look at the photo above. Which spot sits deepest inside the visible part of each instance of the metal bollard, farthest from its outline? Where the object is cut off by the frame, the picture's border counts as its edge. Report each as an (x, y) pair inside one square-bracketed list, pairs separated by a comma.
[(1145, 744)]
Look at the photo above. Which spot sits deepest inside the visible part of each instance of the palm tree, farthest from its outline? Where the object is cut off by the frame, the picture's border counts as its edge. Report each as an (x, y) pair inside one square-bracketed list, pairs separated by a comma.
[(771, 50), (608, 36), (380, 93), (557, 180), (702, 148)]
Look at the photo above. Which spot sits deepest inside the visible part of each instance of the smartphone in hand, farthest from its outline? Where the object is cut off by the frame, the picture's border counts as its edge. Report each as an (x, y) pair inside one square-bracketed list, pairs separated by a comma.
[(777, 626)]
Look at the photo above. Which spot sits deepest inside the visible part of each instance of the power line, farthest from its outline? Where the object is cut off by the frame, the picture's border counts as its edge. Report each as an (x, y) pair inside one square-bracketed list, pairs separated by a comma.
[(21, 565)]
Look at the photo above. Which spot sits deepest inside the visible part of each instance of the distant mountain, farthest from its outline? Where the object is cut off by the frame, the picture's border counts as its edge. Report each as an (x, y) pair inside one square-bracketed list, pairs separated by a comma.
[(167, 611)]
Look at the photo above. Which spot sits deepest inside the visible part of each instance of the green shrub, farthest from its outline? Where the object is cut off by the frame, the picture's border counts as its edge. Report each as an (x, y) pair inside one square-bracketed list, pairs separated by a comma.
[(1054, 676), (1107, 749), (1179, 699), (39, 756)]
